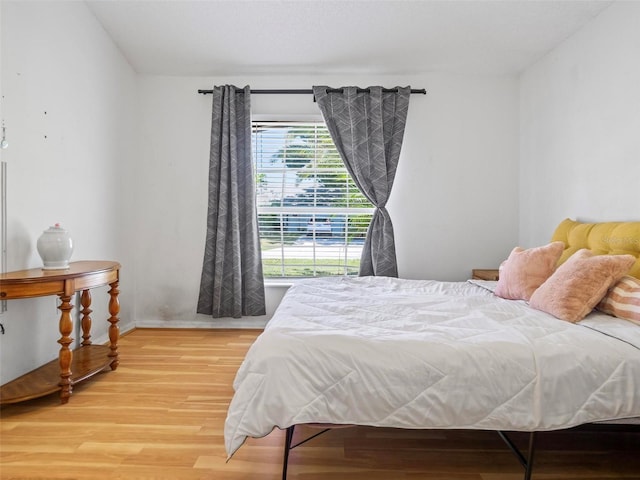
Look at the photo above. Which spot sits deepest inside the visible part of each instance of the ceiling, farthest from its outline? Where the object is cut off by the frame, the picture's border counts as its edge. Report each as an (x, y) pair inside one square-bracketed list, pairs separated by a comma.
[(282, 37)]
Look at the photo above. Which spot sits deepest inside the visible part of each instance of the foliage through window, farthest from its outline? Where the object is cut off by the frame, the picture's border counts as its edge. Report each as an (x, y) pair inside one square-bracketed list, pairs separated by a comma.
[(312, 217)]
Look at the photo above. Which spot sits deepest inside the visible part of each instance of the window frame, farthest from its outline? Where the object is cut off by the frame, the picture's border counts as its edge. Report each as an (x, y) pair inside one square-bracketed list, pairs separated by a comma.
[(313, 212)]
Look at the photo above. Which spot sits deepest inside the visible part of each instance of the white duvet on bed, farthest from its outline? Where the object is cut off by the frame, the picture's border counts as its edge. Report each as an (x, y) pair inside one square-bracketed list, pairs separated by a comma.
[(423, 354)]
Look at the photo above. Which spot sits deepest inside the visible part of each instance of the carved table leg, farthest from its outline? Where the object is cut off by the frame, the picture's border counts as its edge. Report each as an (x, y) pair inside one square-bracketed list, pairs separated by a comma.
[(65, 355), (85, 299), (114, 330)]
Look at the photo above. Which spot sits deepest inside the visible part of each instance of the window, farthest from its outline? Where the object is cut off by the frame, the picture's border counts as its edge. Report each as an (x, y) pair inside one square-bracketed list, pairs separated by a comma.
[(312, 217)]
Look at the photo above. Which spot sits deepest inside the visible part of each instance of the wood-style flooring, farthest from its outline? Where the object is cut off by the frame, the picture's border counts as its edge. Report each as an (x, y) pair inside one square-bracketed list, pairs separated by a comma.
[(161, 414)]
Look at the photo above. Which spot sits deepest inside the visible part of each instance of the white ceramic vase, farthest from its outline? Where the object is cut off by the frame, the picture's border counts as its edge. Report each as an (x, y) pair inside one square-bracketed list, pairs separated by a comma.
[(55, 248)]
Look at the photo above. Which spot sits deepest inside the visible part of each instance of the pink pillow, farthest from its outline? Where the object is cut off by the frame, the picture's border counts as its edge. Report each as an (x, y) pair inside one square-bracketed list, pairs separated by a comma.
[(525, 270), (623, 300), (579, 284)]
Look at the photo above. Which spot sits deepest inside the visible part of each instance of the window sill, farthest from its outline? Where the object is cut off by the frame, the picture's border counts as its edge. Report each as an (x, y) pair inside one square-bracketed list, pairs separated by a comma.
[(289, 282), (280, 282)]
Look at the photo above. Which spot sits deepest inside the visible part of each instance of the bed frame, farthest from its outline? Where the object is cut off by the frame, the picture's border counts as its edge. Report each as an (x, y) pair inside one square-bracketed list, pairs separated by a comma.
[(526, 459)]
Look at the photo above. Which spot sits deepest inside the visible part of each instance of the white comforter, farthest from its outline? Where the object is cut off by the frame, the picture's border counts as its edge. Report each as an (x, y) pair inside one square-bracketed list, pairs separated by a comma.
[(423, 354)]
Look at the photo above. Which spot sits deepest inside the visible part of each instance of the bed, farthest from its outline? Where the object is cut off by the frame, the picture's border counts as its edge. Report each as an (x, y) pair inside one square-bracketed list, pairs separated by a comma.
[(421, 354)]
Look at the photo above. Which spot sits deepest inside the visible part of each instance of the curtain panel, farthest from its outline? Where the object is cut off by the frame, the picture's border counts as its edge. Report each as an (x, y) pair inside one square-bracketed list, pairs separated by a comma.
[(367, 128), (231, 284)]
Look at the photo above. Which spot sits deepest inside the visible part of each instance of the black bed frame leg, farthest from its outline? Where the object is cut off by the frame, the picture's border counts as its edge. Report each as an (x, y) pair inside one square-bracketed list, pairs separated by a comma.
[(528, 470), (287, 448), (527, 463)]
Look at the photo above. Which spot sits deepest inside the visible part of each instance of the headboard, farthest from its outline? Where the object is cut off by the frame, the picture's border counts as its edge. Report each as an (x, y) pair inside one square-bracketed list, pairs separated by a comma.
[(606, 238)]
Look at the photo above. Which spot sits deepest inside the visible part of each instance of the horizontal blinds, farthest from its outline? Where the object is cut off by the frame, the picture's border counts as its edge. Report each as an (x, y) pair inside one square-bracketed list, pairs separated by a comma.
[(312, 217), (298, 166)]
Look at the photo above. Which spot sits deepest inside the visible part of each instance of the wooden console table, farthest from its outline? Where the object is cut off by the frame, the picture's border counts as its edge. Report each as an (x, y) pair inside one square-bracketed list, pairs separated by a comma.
[(71, 366)]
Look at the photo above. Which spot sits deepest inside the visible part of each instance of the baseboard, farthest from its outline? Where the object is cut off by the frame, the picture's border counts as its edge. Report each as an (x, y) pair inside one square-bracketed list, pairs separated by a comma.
[(205, 322)]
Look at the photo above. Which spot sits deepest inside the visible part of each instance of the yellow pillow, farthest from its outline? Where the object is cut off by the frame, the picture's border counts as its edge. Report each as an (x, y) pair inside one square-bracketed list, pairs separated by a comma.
[(577, 286), (605, 238)]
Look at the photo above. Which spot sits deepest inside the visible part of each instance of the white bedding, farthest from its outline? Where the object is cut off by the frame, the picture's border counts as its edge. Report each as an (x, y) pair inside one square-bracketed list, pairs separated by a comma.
[(386, 352)]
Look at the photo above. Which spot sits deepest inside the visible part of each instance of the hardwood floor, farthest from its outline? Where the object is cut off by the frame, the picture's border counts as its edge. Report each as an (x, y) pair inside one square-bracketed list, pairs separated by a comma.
[(161, 414)]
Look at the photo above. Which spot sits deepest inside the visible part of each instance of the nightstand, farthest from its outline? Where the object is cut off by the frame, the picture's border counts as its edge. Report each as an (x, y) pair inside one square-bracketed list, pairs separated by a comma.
[(484, 274)]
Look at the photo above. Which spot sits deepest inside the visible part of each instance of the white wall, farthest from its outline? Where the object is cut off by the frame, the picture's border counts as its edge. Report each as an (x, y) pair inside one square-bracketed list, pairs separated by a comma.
[(134, 189), (69, 105), (580, 128), (454, 203)]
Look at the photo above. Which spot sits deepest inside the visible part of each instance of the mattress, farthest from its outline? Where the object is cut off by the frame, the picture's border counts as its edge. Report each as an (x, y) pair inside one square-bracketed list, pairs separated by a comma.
[(387, 352)]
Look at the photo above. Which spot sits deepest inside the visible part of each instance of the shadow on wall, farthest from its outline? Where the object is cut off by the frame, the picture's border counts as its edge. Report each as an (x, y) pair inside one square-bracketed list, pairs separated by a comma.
[(21, 246)]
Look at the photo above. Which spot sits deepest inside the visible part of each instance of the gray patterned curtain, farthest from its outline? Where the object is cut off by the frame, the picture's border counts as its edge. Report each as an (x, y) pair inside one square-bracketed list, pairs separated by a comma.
[(367, 126), (231, 284)]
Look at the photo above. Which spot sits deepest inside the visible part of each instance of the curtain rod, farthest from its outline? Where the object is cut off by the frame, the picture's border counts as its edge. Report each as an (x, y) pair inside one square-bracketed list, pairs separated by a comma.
[(310, 92)]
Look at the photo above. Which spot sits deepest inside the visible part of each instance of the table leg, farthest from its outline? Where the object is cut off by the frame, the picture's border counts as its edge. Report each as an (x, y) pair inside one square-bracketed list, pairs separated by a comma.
[(85, 299), (66, 354), (114, 330)]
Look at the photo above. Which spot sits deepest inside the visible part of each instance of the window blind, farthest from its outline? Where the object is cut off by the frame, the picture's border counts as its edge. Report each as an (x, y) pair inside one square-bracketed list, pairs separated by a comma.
[(312, 217)]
